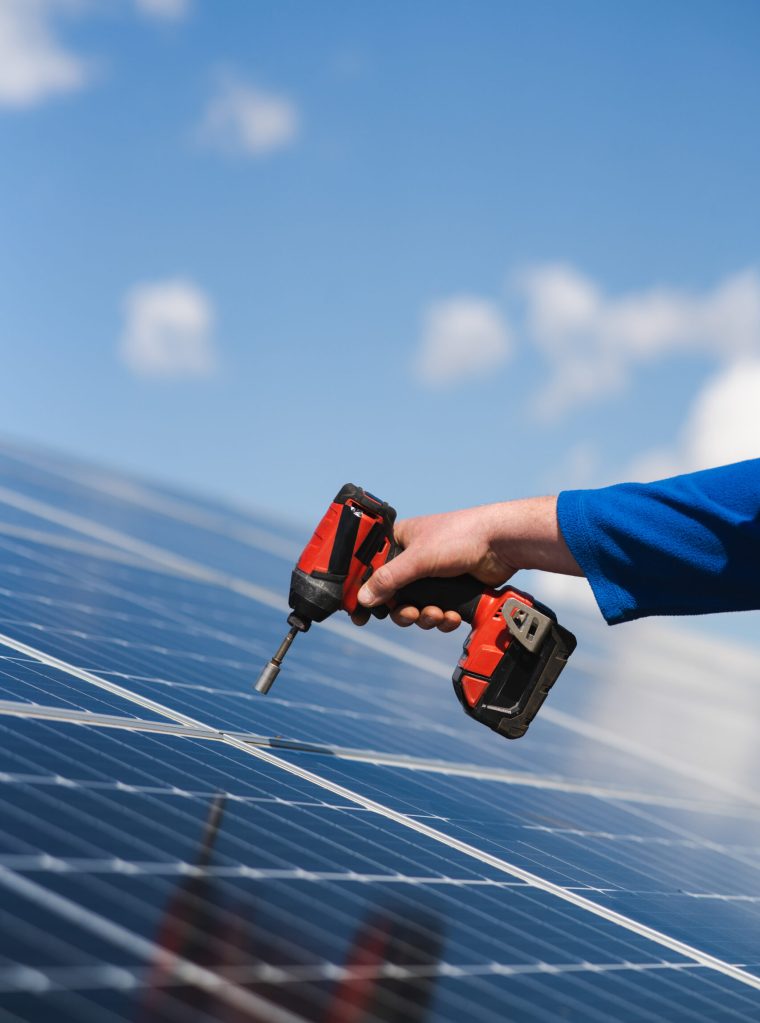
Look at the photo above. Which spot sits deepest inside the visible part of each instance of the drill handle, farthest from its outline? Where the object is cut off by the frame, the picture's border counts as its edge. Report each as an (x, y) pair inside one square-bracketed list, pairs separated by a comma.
[(460, 593)]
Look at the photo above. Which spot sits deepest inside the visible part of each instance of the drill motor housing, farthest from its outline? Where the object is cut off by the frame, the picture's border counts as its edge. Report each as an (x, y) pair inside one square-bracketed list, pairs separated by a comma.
[(515, 650), (352, 540)]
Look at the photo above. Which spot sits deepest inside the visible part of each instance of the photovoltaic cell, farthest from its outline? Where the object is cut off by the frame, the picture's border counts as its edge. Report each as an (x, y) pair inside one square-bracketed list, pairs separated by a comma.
[(171, 655), (350, 848), (29, 682), (128, 827)]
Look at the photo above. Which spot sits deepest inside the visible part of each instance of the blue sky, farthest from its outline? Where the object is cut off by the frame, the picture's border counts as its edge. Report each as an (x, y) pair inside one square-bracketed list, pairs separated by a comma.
[(456, 252)]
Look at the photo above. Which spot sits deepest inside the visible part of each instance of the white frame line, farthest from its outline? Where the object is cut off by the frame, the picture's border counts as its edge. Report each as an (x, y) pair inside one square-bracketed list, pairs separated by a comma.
[(533, 880), (454, 769)]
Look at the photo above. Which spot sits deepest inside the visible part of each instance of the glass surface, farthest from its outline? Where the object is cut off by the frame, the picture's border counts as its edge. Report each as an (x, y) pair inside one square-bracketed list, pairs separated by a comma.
[(373, 847)]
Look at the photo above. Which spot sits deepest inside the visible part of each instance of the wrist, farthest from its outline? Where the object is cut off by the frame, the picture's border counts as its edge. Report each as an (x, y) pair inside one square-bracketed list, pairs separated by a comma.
[(525, 534)]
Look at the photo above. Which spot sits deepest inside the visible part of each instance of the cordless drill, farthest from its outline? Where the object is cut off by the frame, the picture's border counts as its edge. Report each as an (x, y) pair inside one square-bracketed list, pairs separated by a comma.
[(513, 654)]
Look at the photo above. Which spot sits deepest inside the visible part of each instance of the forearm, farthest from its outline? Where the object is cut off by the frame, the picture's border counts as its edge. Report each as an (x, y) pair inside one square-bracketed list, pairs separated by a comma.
[(526, 534)]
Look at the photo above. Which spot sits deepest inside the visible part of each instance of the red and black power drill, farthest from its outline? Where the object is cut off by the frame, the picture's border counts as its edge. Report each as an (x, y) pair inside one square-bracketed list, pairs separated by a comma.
[(513, 654)]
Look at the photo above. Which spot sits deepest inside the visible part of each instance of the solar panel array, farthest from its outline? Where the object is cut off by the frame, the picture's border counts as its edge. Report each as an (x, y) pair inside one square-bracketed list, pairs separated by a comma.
[(348, 849)]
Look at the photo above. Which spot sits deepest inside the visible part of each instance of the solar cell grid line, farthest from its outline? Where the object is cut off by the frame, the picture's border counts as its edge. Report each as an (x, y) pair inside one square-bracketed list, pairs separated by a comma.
[(20, 971), (86, 593), (73, 543), (62, 712), (119, 745), (106, 521), (274, 601), (146, 550), (206, 514), (368, 862), (294, 706), (478, 746), (672, 847), (563, 719), (652, 861), (88, 602), (484, 802), (750, 854), (470, 972), (102, 492), (563, 893), (31, 683), (465, 1007), (613, 993), (159, 613), (114, 933), (149, 499), (130, 697), (20, 980), (84, 1010), (185, 715), (613, 797), (704, 865), (17, 709), (311, 979), (16, 517), (143, 648), (138, 629), (239, 722)]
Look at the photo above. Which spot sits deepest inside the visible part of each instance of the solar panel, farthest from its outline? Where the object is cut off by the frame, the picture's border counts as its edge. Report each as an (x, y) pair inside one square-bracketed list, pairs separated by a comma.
[(349, 849)]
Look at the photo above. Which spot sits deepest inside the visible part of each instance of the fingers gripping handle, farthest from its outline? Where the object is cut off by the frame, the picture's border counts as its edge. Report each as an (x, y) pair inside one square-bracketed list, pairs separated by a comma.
[(460, 593)]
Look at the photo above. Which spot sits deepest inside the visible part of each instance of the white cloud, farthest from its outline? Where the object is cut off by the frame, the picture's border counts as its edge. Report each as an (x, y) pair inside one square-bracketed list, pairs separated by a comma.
[(593, 342), (464, 336), (168, 330), (662, 685), (171, 10), (33, 63), (724, 421), (722, 426), (243, 119)]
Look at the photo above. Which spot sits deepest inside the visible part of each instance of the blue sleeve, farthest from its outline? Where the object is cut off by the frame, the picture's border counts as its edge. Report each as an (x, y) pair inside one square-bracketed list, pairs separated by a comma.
[(686, 545)]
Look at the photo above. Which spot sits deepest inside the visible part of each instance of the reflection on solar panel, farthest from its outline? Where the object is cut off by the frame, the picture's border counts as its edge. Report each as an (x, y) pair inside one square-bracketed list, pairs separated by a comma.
[(349, 850)]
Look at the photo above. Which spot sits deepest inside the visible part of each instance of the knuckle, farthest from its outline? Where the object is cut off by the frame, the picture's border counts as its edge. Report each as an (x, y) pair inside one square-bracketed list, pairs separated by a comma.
[(382, 579)]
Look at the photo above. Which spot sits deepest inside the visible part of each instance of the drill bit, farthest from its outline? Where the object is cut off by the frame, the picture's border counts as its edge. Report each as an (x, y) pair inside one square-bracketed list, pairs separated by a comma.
[(272, 669)]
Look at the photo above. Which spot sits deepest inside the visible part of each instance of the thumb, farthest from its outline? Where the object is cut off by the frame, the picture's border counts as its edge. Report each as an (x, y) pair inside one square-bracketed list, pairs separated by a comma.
[(392, 576)]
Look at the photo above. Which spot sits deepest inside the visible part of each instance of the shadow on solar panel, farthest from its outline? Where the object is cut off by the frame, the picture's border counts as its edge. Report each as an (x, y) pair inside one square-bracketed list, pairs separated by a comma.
[(388, 975)]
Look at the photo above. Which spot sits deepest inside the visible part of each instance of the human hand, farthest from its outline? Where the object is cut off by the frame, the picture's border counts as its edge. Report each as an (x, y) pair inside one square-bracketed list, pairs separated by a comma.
[(491, 542)]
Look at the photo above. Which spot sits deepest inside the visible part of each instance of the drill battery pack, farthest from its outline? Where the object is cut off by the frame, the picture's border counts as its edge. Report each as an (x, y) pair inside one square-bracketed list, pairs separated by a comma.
[(509, 697)]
